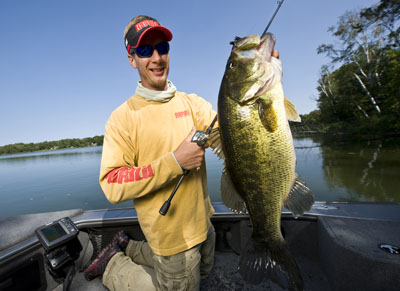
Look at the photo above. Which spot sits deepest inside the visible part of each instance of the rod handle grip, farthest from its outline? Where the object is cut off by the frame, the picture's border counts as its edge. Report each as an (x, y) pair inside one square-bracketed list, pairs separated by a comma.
[(164, 208)]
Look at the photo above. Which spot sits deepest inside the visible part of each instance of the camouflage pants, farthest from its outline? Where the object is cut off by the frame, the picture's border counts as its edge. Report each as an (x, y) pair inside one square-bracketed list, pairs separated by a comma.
[(140, 269)]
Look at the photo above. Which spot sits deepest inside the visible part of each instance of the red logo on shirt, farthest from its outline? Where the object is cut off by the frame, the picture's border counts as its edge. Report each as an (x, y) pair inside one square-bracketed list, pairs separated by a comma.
[(182, 114), (120, 175)]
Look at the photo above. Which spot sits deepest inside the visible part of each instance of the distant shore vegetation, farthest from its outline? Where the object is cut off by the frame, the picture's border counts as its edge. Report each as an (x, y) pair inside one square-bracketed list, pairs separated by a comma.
[(359, 91), (51, 145)]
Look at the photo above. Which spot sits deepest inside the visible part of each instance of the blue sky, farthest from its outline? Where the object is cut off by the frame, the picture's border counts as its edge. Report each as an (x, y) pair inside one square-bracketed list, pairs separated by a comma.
[(63, 66)]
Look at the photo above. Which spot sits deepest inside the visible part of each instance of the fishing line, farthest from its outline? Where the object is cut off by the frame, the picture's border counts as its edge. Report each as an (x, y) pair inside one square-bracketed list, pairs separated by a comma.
[(280, 2)]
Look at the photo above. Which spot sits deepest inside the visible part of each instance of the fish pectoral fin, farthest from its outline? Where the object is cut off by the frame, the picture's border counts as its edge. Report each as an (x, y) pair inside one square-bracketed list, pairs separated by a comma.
[(215, 143), (300, 198), (229, 195), (267, 115), (291, 111), (259, 261)]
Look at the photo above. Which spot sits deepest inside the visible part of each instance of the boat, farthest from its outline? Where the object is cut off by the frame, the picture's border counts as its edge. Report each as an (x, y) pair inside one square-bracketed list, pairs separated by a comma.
[(338, 246)]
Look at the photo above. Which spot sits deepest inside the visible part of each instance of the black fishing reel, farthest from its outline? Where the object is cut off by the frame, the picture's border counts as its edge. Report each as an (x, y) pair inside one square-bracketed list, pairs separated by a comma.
[(200, 137)]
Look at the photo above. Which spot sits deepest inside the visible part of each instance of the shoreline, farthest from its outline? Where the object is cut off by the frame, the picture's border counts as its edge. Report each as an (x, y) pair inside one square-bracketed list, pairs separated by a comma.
[(47, 151), (19, 148), (23, 148)]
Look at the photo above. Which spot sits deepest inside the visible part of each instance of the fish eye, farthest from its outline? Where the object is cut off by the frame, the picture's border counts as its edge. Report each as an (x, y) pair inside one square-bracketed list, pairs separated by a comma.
[(231, 64)]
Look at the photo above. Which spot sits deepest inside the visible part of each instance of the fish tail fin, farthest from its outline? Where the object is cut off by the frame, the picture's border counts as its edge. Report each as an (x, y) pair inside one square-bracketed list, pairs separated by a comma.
[(275, 263)]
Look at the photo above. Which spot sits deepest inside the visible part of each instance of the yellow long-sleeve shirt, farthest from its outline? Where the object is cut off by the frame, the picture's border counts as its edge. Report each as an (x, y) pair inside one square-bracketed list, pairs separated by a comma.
[(138, 164)]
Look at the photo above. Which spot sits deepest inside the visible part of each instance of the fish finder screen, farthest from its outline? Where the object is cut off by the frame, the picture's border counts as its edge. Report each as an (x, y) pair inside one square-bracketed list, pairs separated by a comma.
[(54, 232)]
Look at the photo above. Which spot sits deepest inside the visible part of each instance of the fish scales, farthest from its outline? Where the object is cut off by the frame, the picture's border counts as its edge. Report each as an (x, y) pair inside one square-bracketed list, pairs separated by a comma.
[(259, 162), (260, 158)]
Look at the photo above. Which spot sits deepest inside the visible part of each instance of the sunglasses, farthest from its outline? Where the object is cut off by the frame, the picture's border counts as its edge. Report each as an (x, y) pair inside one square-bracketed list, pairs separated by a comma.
[(146, 51)]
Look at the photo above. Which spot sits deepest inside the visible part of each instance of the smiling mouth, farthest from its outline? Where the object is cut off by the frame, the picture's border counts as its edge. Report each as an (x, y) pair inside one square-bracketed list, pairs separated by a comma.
[(158, 71)]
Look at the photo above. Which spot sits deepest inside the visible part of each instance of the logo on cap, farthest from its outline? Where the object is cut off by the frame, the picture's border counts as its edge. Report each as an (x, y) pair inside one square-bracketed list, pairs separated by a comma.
[(145, 23)]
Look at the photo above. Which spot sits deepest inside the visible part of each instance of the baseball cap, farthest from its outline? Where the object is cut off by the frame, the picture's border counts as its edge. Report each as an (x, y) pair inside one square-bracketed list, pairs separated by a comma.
[(142, 27)]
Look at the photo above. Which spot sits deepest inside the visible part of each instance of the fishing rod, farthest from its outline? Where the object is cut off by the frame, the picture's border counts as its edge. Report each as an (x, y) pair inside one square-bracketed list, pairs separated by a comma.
[(200, 137), (280, 2)]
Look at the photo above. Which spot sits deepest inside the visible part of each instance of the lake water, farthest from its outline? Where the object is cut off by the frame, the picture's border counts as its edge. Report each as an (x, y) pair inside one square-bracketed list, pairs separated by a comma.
[(366, 170)]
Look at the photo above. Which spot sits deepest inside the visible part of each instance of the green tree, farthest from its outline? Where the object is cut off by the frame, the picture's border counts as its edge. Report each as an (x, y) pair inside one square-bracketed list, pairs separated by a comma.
[(98, 140), (360, 43), (386, 14), (51, 145), (360, 85), (391, 91)]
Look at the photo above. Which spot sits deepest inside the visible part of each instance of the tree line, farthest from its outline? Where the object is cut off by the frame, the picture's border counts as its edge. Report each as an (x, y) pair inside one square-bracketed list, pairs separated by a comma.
[(359, 90), (51, 145)]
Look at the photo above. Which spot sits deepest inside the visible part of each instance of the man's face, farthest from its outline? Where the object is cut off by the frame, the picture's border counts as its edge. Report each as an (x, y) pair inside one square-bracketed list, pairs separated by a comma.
[(153, 71)]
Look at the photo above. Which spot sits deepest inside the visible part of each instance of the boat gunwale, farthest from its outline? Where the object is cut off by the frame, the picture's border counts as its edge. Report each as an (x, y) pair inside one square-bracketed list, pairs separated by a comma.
[(127, 216)]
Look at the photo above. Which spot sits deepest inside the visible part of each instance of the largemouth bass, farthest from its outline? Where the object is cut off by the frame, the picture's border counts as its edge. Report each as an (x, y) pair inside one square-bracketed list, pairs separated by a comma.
[(260, 159)]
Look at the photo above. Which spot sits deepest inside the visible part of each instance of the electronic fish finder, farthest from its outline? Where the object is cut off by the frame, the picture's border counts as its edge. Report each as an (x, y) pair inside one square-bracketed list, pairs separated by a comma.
[(62, 248), (57, 233)]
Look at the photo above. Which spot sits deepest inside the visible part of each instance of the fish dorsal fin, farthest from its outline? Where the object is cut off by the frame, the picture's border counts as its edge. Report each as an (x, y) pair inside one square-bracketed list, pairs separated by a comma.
[(291, 111), (214, 142), (300, 198), (267, 115), (229, 195)]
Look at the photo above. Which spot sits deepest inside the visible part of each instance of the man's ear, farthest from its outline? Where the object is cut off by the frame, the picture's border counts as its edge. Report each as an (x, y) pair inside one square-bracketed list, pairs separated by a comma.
[(132, 61)]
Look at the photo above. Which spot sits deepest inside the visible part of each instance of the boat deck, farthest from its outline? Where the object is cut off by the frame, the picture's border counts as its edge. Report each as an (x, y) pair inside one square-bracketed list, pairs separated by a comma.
[(335, 246), (224, 275)]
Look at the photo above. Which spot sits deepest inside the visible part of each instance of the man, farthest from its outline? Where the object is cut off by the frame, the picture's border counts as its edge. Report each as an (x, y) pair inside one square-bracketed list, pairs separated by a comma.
[(147, 145)]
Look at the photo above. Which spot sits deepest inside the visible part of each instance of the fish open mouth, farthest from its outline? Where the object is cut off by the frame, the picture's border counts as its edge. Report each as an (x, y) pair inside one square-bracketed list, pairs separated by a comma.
[(266, 46), (255, 55), (265, 49)]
